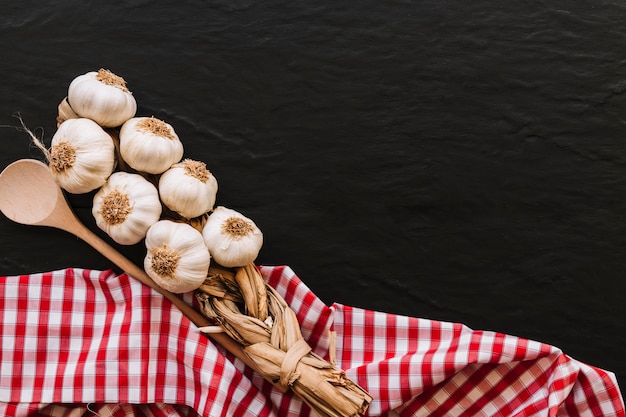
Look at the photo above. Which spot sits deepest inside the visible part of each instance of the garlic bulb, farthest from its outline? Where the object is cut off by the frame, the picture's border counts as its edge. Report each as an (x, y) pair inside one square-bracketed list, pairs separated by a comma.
[(82, 155), (177, 258), (149, 145), (233, 239), (126, 206), (103, 97), (188, 188)]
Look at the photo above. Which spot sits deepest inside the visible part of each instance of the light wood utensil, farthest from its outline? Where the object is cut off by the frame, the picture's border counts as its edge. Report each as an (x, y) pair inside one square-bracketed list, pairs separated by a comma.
[(29, 195)]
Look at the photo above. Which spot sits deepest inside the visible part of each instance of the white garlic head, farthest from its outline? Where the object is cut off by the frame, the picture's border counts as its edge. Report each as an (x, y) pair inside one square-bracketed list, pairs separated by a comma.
[(102, 97), (149, 145), (188, 188), (82, 155), (177, 258), (126, 206), (233, 239)]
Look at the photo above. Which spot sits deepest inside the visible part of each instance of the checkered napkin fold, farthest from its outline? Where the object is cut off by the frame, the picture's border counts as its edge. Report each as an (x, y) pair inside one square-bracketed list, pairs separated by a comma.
[(80, 341)]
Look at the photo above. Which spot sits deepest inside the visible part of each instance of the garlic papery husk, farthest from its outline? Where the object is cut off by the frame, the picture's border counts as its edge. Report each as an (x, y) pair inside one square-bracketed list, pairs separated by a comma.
[(82, 155), (126, 206), (149, 145), (233, 239), (177, 258), (64, 112), (188, 188), (102, 97)]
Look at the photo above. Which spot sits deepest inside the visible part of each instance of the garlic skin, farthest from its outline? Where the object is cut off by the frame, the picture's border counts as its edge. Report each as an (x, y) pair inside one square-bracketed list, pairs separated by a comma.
[(126, 206), (177, 258), (233, 239), (82, 155), (188, 188), (64, 112), (102, 97), (149, 145)]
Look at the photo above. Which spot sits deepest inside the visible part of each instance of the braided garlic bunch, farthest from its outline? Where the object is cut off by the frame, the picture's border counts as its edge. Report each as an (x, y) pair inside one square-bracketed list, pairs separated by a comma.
[(144, 189)]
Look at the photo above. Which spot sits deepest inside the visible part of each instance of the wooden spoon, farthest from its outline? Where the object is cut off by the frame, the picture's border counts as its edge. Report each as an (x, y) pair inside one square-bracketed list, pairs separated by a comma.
[(29, 195)]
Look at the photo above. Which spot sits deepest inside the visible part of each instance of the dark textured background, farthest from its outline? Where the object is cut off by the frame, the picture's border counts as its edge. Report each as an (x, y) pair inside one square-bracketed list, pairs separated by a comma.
[(453, 160)]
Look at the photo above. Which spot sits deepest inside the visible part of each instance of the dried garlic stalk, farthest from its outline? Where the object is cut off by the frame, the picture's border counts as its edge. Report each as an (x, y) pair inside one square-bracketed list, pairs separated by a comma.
[(269, 332)]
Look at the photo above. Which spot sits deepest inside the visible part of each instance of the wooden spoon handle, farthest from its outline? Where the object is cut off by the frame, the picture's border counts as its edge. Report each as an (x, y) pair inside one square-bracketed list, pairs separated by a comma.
[(134, 271)]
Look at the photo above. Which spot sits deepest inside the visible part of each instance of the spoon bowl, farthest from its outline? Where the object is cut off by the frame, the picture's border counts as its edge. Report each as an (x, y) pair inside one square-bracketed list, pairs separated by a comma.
[(25, 201)]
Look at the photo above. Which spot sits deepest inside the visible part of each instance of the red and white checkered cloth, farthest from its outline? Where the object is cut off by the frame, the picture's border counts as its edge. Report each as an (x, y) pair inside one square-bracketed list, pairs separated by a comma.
[(80, 342)]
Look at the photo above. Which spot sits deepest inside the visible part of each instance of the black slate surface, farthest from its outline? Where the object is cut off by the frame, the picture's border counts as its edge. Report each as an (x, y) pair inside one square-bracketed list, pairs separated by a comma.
[(460, 161)]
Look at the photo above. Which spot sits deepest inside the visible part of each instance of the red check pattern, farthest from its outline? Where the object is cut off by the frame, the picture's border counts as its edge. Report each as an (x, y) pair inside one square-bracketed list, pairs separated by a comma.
[(80, 342)]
